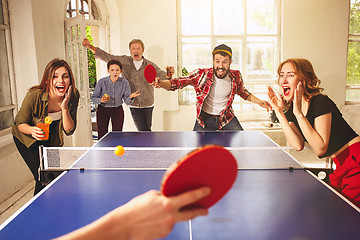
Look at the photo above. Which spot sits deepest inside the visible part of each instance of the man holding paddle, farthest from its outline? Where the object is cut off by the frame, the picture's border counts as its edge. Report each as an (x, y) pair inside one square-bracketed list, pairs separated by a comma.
[(215, 91), (133, 70)]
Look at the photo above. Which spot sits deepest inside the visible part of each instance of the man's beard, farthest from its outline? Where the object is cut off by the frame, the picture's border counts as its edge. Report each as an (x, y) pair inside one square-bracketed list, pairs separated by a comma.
[(226, 73)]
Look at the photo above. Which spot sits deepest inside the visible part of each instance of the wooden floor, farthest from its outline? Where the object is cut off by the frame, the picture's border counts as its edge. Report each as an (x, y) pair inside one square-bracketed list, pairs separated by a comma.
[(15, 202)]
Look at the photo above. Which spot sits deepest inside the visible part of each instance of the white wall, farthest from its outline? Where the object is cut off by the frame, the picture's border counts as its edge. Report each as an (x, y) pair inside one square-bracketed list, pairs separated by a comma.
[(23, 42), (37, 33), (154, 22), (317, 30), (48, 25)]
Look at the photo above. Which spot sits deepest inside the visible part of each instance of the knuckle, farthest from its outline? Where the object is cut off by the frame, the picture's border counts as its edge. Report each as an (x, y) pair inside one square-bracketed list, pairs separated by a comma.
[(168, 206)]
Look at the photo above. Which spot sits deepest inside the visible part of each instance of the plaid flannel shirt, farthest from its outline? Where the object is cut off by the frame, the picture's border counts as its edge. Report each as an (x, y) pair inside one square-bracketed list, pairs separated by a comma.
[(201, 80)]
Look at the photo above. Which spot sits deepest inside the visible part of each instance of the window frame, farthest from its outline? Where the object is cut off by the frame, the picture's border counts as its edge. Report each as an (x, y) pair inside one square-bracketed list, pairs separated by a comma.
[(5, 134), (249, 84), (91, 14), (352, 38)]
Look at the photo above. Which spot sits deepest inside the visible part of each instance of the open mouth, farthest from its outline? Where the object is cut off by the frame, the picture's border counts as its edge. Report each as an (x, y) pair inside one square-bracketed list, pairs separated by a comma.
[(286, 91), (220, 71), (60, 89)]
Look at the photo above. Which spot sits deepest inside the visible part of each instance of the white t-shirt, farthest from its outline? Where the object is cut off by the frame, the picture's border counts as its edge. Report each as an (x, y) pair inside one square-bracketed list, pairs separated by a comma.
[(138, 64), (55, 115), (218, 96)]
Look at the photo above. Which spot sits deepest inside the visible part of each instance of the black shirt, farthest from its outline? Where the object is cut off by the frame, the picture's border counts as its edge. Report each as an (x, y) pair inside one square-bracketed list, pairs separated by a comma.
[(341, 132)]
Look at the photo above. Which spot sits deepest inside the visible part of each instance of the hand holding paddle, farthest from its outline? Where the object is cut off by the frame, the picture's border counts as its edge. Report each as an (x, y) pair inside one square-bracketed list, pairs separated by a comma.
[(209, 166), (156, 83), (150, 215), (150, 73)]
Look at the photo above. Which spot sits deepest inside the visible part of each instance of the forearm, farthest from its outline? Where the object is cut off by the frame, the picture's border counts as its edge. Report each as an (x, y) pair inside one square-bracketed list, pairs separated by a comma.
[(96, 96), (318, 144), (95, 99), (166, 84), (293, 138), (25, 128), (260, 102), (129, 100), (91, 47), (105, 56), (129, 96), (68, 122), (89, 232), (104, 228), (253, 99), (150, 215)]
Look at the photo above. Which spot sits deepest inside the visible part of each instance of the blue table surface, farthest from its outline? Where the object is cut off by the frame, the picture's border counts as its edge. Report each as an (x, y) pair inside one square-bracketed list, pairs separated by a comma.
[(262, 204)]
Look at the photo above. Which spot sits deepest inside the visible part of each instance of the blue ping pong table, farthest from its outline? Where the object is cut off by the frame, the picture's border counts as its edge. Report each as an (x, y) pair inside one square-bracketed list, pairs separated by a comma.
[(266, 201)]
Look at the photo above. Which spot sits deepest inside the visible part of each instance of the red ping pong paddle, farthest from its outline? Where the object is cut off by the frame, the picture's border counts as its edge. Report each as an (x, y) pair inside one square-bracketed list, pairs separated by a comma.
[(150, 73), (211, 165)]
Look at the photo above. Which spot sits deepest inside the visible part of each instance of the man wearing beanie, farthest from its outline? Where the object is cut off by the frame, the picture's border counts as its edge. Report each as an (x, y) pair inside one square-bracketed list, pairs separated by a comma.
[(215, 91)]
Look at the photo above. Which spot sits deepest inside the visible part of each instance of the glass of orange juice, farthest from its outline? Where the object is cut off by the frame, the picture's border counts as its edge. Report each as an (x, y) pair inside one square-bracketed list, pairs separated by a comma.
[(107, 97), (44, 127), (169, 71)]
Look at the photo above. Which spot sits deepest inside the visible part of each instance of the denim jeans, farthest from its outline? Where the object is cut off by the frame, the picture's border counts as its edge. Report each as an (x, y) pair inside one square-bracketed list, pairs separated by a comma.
[(212, 123), (142, 118)]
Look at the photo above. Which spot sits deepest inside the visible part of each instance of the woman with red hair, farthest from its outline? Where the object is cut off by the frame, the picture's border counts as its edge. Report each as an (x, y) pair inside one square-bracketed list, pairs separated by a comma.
[(306, 114)]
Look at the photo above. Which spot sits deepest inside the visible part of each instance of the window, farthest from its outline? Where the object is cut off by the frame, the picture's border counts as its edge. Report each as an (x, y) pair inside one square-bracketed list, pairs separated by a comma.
[(353, 66), (82, 7), (249, 27), (7, 106)]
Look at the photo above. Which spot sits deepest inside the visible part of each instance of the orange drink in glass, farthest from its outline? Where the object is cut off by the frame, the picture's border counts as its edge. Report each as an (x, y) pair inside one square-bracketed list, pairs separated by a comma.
[(45, 128), (44, 124), (169, 71)]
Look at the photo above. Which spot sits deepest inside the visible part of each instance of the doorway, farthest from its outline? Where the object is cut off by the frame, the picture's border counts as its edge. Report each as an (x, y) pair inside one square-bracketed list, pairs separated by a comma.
[(83, 20)]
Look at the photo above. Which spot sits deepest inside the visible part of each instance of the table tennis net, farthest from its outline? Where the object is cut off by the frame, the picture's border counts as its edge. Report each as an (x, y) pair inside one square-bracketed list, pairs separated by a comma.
[(157, 158)]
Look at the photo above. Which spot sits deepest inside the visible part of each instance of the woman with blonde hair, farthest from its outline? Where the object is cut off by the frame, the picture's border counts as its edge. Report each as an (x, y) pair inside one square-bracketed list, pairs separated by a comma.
[(306, 114)]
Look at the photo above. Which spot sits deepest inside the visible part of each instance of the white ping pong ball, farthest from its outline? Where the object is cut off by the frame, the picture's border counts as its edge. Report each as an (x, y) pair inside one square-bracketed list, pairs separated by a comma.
[(322, 175)]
